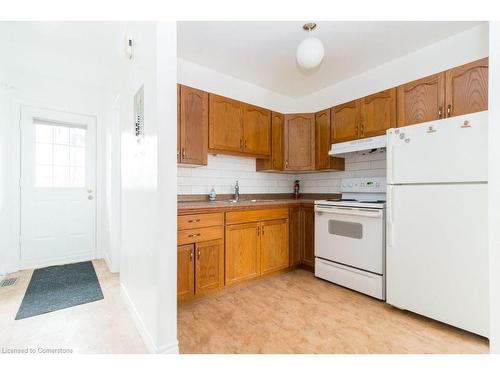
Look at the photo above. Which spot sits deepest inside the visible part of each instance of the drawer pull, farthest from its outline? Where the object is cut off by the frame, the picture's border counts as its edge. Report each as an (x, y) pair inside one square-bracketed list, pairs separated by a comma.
[(193, 235), (194, 221)]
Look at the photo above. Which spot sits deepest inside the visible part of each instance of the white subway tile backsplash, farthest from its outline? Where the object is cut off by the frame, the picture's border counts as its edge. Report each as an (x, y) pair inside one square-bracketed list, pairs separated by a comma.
[(222, 172)]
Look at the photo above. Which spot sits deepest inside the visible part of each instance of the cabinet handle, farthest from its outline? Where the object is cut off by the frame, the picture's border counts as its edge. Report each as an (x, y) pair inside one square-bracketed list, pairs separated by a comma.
[(183, 152), (357, 130), (194, 235), (440, 112), (241, 144), (286, 163), (362, 128), (245, 146), (448, 110), (258, 231), (262, 230), (199, 254), (191, 256), (194, 221)]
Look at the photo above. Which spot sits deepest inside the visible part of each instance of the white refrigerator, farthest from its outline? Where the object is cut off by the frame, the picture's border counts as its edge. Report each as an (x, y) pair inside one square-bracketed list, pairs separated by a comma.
[(437, 219)]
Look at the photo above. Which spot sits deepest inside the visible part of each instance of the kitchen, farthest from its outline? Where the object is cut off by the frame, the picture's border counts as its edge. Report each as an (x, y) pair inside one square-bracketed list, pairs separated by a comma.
[(338, 199)]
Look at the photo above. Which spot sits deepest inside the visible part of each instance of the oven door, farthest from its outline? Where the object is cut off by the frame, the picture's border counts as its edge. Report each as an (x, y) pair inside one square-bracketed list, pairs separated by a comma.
[(351, 236)]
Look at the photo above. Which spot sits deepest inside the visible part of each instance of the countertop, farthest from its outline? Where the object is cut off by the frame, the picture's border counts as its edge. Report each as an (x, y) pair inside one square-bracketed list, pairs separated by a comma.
[(191, 205)]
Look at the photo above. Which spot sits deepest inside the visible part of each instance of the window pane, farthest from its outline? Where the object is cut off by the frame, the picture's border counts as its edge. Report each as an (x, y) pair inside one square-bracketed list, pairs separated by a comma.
[(43, 133), (43, 176), (77, 177), (61, 176), (61, 155), (61, 135), (77, 137), (43, 154), (77, 156)]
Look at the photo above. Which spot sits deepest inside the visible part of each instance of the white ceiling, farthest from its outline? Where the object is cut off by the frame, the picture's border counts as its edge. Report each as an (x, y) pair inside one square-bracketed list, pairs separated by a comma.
[(263, 52)]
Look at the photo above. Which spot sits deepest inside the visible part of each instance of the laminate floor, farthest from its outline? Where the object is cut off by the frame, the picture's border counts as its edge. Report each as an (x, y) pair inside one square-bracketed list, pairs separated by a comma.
[(298, 313), (102, 326)]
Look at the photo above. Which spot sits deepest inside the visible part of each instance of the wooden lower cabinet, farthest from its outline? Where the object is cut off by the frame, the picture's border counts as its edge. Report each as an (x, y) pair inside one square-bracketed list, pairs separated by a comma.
[(242, 252), (185, 271), (308, 236), (200, 268), (302, 236), (295, 228), (274, 246), (209, 271)]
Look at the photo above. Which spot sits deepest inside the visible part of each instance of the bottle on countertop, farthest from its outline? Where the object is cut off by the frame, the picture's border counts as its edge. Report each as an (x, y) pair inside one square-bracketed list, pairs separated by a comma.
[(212, 196), (296, 189)]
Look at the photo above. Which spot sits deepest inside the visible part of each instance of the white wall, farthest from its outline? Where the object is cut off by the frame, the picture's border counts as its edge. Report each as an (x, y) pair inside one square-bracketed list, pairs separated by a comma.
[(206, 79), (31, 87), (456, 50), (494, 186), (148, 185)]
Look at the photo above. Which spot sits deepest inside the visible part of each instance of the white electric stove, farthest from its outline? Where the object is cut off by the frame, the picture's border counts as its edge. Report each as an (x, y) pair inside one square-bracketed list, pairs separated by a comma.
[(350, 236)]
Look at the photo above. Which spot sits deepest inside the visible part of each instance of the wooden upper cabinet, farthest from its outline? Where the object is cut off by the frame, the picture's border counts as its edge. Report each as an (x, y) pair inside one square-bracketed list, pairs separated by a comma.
[(242, 252), (209, 265), (345, 122), (185, 271), (299, 142), (178, 123), (421, 100), (193, 125), (322, 139), (274, 245), (256, 130), (225, 124), (275, 162), (378, 113), (467, 88)]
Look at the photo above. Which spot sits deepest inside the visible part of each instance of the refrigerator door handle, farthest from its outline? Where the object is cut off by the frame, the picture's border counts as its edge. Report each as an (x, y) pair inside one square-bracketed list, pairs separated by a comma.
[(390, 215)]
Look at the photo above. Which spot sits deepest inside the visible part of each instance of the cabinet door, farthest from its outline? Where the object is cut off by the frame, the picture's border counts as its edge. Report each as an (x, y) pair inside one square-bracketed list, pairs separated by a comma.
[(322, 139), (193, 126), (467, 88), (185, 271), (421, 100), (256, 130), (242, 252), (225, 124), (345, 122), (209, 265), (308, 233), (378, 113), (299, 142), (295, 237), (274, 249), (275, 162)]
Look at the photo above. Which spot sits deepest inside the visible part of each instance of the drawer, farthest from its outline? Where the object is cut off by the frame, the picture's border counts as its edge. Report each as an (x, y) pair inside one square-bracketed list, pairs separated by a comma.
[(199, 235), (249, 216), (199, 220)]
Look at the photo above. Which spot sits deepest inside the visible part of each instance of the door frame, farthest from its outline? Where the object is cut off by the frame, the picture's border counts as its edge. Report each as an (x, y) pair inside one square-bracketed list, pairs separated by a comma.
[(19, 108)]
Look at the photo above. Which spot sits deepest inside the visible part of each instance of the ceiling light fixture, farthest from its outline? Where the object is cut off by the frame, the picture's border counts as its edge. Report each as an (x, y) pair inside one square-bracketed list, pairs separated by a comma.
[(310, 51)]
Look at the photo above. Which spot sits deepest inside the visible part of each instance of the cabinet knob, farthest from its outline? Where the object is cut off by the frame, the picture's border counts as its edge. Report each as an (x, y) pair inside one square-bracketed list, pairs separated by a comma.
[(199, 253), (191, 256), (448, 110), (440, 112)]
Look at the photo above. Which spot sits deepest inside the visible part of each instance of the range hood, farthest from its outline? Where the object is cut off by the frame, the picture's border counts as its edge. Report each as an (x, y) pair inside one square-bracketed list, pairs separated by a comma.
[(367, 145)]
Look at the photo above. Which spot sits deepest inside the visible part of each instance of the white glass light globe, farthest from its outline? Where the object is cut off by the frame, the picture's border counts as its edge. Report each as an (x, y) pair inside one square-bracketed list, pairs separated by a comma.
[(310, 53)]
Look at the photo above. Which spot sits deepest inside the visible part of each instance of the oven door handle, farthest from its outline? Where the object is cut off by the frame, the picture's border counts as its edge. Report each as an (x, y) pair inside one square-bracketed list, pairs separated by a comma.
[(349, 211)]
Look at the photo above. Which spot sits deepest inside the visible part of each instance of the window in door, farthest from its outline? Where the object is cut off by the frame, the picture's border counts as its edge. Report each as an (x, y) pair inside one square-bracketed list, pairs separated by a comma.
[(59, 155)]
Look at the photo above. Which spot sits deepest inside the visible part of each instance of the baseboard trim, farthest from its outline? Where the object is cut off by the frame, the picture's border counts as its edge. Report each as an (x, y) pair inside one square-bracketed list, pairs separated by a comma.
[(172, 348), (111, 267)]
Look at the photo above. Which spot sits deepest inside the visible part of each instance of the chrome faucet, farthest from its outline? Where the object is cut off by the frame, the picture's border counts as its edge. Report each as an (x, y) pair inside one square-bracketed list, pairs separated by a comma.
[(236, 192)]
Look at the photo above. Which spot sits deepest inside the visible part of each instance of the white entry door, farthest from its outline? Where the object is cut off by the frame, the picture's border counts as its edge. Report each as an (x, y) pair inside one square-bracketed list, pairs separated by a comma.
[(58, 178)]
